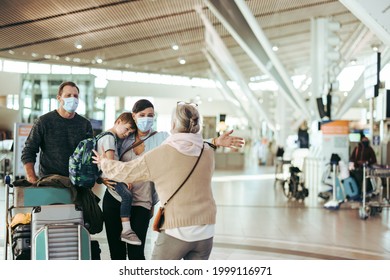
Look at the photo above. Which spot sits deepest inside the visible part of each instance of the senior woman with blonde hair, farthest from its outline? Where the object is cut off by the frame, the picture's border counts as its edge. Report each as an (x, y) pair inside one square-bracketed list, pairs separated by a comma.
[(190, 215)]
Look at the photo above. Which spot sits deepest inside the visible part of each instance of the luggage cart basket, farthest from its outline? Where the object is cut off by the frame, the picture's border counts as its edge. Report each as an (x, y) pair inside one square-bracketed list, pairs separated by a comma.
[(375, 206), (20, 199)]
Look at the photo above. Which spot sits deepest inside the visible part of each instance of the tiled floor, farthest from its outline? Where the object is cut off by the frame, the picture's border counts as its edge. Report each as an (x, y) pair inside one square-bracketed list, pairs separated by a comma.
[(255, 221)]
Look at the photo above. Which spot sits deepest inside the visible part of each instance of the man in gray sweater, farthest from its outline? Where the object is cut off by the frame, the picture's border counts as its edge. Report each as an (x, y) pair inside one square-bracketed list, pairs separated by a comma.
[(56, 135)]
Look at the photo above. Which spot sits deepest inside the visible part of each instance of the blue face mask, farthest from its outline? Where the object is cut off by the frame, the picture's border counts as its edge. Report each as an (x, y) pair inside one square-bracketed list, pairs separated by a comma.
[(70, 104), (144, 124)]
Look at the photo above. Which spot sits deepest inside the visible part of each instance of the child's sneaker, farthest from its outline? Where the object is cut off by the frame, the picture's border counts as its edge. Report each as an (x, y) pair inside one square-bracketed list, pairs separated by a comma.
[(131, 238)]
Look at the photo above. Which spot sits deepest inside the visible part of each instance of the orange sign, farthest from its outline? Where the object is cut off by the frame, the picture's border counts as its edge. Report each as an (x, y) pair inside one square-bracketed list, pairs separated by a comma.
[(24, 130), (335, 127)]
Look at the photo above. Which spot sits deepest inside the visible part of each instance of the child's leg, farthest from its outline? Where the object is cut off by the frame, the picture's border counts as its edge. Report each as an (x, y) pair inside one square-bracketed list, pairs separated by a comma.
[(125, 208), (128, 235)]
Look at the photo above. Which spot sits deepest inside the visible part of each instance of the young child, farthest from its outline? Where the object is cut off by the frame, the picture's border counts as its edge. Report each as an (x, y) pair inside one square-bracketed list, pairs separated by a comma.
[(123, 126)]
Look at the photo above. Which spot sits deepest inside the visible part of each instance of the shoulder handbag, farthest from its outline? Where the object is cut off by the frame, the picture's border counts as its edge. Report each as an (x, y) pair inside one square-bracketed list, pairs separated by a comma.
[(159, 219), (135, 144)]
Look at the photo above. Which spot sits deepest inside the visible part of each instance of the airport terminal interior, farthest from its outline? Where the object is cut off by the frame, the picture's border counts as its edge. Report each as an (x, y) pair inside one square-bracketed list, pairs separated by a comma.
[(302, 82)]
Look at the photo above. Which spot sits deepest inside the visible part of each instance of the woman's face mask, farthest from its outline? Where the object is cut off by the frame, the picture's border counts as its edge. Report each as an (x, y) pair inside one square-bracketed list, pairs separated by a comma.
[(70, 104), (144, 124)]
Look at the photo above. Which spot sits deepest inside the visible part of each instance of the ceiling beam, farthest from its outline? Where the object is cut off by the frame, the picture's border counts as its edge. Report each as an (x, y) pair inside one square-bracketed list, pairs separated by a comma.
[(374, 15), (216, 47), (243, 26)]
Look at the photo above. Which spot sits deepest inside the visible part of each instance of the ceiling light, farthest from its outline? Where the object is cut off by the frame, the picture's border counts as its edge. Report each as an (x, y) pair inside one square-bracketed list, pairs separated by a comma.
[(182, 61), (78, 45), (99, 60), (275, 48), (11, 52), (375, 48), (175, 47), (353, 61)]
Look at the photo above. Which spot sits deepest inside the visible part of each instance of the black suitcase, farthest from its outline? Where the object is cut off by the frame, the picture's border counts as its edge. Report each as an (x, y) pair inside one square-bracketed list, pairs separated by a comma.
[(21, 242)]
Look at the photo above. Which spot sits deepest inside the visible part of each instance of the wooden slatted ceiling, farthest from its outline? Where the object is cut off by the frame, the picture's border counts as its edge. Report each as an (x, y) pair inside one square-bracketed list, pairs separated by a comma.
[(138, 35)]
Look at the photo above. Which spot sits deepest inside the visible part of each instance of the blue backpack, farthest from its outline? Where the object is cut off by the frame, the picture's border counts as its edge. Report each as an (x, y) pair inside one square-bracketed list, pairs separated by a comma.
[(82, 171)]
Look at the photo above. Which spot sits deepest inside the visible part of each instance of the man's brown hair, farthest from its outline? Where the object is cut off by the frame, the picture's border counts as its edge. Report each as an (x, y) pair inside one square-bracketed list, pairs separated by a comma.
[(64, 84)]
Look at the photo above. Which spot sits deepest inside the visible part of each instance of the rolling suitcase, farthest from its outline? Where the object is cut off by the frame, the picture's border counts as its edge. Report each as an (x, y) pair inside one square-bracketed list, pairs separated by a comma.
[(351, 188), (58, 232)]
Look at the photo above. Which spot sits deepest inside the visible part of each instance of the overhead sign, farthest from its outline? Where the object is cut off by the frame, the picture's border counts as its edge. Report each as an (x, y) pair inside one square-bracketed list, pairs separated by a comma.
[(335, 127)]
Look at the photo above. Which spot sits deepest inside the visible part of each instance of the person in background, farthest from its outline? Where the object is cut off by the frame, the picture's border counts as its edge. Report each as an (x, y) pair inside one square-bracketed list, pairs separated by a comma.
[(190, 216), (362, 154), (124, 125), (56, 135), (144, 195)]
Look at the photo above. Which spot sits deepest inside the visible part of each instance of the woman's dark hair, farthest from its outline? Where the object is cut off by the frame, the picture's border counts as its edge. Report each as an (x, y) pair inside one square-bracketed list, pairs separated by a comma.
[(141, 105)]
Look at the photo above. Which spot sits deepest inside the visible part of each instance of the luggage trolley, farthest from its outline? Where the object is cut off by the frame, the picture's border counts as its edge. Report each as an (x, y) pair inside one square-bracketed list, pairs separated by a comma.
[(55, 234), (372, 207)]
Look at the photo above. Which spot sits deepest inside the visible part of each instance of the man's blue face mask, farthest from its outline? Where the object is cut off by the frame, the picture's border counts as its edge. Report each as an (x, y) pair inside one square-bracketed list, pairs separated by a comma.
[(70, 104)]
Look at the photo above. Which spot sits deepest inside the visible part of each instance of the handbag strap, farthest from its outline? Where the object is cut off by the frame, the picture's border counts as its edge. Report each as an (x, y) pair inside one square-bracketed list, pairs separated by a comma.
[(135, 144), (192, 170)]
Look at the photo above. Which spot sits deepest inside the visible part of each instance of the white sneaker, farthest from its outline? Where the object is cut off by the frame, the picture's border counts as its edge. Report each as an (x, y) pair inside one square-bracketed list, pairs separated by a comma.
[(131, 238)]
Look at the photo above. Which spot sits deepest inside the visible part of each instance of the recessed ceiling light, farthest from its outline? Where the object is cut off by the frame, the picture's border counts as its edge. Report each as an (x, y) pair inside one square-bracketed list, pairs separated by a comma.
[(78, 45), (375, 48), (275, 48), (175, 47), (182, 61)]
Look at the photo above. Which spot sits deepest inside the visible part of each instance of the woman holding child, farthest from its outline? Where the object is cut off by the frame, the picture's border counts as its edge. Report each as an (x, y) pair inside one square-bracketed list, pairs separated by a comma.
[(144, 195)]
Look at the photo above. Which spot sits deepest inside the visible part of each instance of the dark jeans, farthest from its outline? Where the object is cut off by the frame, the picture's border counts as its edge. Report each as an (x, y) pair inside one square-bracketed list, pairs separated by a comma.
[(140, 217), (127, 199)]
